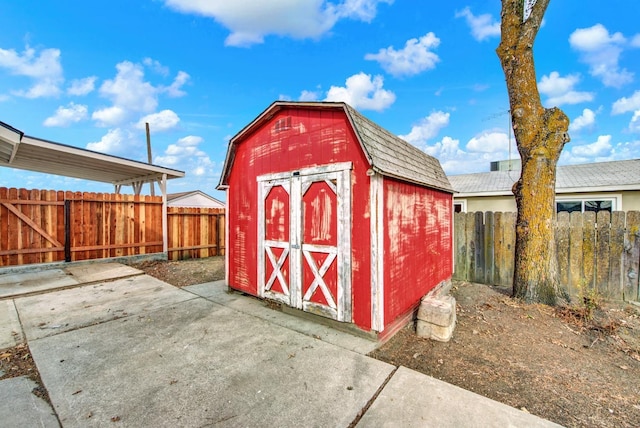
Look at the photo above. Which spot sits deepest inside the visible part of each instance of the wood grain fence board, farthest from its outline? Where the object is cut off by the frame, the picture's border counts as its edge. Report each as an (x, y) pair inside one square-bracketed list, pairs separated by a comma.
[(221, 235), (141, 217), (121, 227), (498, 236), (471, 247), (478, 237), (35, 214), (205, 233), (130, 225), (575, 254), (4, 235), (59, 222), (510, 248), (562, 247), (24, 232), (489, 257), (603, 226), (588, 249), (616, 254), (631, 266), (460, 246)]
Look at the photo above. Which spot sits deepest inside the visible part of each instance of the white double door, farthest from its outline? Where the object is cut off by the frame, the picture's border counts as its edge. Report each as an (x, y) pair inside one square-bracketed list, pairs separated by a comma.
[(304, 245)]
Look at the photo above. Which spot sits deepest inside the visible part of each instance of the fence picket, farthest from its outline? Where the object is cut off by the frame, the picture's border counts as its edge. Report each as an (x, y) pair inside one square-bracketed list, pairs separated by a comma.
[(616, 252), (631, 266), (460, 246), (588, 249), (603, 225), (489, 226), (562, 246), (478, 234), (576, 255)]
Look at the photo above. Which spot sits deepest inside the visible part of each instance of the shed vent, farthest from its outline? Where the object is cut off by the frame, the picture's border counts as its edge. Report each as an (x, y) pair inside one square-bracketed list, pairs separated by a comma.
[(283, 124)]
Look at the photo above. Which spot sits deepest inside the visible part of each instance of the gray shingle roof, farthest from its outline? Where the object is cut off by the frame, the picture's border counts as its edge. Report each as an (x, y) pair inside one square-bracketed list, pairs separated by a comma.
[(600, 176), (387, 153), (392, 156)]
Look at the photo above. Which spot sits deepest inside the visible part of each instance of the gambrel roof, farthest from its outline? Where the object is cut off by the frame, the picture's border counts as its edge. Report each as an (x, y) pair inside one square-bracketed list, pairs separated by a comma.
[(590, 177), (387, 154)]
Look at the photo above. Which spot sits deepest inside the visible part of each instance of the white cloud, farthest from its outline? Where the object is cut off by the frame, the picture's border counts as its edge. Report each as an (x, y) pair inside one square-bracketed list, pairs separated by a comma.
[(625, 105), (585, 120), (560, 90), (65, 116), (80, 87), (250, 21), (447, 148), (159, 122), (109, 116), (489, 142), (635, 42), (363, 93), (482, 26), (114, 142), (174, 90), (634, 125), (43, 68), (131, 94), (413, 59), (601, 147), (427, 128), (186, 155), (309, 96), (601, 51), (156, 66)]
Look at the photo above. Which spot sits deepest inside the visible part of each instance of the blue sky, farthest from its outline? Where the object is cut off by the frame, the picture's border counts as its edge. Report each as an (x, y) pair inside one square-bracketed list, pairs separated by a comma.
[(90, 74)]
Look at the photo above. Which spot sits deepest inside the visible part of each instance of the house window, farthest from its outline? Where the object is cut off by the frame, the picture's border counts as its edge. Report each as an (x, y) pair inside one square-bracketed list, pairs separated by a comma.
[(582, 205), (460, 206)]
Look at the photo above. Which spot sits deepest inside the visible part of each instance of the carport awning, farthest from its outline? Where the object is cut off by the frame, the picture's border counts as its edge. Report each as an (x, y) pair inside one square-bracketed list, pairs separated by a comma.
[(24, 152)]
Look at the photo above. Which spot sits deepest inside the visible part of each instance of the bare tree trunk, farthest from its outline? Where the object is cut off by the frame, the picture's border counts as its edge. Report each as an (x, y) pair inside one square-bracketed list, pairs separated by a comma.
[(540, 134)]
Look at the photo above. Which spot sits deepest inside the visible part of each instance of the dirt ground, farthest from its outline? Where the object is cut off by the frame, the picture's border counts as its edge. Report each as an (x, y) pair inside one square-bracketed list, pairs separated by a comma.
[(185, 272), (578, 366), (552, 362)]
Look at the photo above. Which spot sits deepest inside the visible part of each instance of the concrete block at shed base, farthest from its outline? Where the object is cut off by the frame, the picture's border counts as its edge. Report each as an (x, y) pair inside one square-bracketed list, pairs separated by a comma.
[(437, 318), (434, 332), (440, 311)]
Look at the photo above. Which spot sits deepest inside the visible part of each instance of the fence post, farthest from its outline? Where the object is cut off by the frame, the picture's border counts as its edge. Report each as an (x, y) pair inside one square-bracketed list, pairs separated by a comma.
[(67, 230)]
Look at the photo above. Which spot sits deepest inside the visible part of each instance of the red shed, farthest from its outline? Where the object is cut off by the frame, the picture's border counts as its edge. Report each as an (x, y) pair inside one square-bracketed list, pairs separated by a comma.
[(331, 214)]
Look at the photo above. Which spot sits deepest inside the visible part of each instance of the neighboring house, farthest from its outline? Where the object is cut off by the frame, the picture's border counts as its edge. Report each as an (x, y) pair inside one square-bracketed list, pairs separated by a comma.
[(611, 186), (333, 215), (193, 199)]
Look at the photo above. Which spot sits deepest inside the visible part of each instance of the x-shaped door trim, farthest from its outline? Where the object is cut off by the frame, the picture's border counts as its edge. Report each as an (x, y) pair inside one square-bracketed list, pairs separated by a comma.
[(277, 266), (318, 274)]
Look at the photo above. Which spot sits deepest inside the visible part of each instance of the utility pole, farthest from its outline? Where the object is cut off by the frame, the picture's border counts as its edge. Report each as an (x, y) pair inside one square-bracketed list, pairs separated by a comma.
[(151, 183)]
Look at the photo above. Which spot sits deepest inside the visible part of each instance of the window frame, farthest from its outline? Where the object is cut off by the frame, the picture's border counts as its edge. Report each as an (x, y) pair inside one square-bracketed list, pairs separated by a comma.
[(616, 200), (462, 203)]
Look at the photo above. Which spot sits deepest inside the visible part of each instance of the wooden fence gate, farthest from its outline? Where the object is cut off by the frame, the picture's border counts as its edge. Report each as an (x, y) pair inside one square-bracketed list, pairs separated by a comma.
[(43, 226)]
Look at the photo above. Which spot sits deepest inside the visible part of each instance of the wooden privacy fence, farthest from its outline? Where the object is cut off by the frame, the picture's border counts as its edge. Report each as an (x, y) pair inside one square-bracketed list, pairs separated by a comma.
[(196, 232), (42, 226), (595, 252)]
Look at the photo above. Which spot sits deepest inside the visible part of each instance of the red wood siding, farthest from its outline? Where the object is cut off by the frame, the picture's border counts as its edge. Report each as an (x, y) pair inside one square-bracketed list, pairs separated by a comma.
[(303, 138), (417, 244)]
